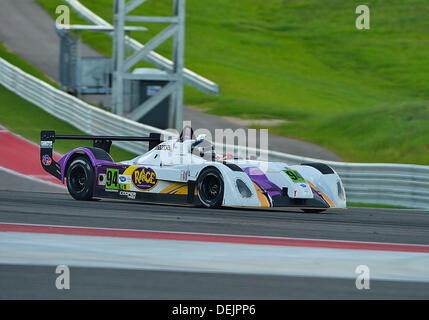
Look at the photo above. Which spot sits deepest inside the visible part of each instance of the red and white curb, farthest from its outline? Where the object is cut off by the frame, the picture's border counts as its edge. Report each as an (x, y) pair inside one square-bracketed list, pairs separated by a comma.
[(206, 237), (21, 157)]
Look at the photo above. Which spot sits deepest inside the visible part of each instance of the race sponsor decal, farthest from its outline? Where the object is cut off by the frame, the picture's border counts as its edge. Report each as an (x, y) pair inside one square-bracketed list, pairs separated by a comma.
[(46, 160), (164, 147), (46, 144), (184, 175), (102, 179), (113, 180), (129, 194), (144, 178), (294, 175)]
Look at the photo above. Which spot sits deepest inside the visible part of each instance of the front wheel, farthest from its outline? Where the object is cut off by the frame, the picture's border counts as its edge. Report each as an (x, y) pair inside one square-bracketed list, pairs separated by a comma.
[(210, 188), (80, 179)]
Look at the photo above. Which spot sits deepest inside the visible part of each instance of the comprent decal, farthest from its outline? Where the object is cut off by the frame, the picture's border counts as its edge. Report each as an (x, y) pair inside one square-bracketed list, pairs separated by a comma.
[(144, 178), (128, 194)]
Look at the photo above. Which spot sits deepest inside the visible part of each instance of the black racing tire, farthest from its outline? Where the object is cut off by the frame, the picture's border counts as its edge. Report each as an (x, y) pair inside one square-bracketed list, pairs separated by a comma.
[(322, 167), (313, 210), (80, 179), (210, 188)]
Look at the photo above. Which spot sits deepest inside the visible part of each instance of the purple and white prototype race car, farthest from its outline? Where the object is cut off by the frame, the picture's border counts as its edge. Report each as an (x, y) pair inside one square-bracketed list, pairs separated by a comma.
[(188, 171)]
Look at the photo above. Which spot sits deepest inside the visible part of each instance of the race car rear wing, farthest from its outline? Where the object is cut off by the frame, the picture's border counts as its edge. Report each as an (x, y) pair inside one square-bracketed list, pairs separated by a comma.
[(47, 139), (102, 142)]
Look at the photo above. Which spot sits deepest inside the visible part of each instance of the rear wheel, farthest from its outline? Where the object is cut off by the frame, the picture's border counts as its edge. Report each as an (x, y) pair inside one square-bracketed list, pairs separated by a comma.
[(210, 188), (80, 179)]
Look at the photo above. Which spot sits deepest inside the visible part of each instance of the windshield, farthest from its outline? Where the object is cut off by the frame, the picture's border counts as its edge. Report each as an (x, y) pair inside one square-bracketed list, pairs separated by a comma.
[(204, 149)]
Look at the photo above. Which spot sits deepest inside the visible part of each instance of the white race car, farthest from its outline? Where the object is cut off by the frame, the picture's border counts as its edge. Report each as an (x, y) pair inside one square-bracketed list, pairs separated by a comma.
[(188, 171)]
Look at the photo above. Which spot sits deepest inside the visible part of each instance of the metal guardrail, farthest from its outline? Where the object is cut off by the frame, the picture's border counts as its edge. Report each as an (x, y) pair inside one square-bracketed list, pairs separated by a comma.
[(393, 184)]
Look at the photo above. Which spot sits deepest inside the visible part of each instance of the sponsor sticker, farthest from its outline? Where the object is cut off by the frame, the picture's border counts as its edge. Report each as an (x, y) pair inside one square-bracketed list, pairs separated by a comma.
[(46, 160), (164, 147), (102, 179), (129, 194), (184, 175), (46, 144), (294, 175), (144, 178), (113, 180)]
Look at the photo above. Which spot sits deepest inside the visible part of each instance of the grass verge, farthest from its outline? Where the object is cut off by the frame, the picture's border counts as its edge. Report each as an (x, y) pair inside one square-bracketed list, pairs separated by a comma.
[(372, 205)]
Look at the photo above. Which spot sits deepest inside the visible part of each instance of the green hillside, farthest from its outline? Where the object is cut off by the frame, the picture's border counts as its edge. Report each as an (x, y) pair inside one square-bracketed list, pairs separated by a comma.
[(363, 94)]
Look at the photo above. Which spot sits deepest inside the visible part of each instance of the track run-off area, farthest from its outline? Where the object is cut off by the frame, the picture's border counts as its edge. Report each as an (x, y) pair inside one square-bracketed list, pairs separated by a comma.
[(135, 250), (123, 250)]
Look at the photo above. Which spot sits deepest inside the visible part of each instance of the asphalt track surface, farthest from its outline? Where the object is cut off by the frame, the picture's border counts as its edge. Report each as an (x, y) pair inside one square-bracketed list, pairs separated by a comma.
[(354, 224), (36, 282)]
